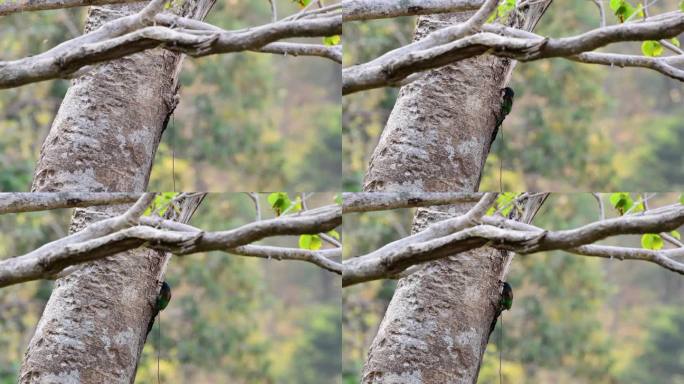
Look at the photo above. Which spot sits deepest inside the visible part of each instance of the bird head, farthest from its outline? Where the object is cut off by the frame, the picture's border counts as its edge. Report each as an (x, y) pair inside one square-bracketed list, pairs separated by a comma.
[(508, 92)]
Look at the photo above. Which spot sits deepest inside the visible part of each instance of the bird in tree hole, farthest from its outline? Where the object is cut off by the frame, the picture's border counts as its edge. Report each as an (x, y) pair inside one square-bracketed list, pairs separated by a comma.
[(505, 303), (161, 302), (507, 95), (506, 297)]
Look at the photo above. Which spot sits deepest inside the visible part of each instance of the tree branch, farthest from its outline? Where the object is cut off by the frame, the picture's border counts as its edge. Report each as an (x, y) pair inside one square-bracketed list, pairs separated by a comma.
[(451, 44), (355, 10), (322, 258), (111, 236), (9, 7), (381, 201), (443, 239), (14, 202), (132, 34)]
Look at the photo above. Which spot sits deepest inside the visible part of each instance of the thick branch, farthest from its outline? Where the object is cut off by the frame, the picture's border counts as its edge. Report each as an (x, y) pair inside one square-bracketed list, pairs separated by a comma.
[(111, 236), (382, 201), (380, 9), (120, 39), (449, 45), (30, 202), (432, 244), (9, 7)]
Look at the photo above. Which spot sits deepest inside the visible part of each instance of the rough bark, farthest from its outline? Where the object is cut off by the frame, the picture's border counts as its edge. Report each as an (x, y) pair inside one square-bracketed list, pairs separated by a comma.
[(437, 138), (438, 134), (104, 139), (109, 124), (93, 327), (436, 327)]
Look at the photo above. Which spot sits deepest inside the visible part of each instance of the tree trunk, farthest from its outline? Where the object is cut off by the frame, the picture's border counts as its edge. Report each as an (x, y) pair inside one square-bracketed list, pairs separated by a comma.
[(437, 137), (104, 139), (436, 327), (94, 325), (109, 124)]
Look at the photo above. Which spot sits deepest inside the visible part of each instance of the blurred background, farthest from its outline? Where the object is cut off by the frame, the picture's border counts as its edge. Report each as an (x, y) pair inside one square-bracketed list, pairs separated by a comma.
[(245, 122), (575, 319), (232, 319), (574, 127)]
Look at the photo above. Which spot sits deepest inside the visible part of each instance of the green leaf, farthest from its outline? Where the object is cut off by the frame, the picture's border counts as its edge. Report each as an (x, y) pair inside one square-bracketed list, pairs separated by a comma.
[(676, 234), (332, 40), (621, 201), (334, 234), (623, 9), (651, 48), (681, 5), (675, 42), (302, 3), (651, 241), (504, 201), (312, 242), (279, 202), (615, 198), (338, 199), (502, 11), (161, 203), (505, 8), (681, 199)]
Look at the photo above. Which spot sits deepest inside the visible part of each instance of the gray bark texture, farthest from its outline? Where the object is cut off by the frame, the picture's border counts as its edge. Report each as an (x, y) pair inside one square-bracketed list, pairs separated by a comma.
[(437, 137), (109, 124), (104, 138), (436, 327), (94, 325)]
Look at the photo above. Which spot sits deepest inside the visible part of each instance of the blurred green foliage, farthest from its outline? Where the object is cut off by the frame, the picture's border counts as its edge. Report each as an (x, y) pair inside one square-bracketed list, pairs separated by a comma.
[(246, 121), (231, 319), (574, 127), (665, 333), (574, 319)]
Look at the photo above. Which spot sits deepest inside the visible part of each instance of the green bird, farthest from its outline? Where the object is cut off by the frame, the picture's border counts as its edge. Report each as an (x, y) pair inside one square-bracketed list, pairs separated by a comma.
[(506, 297), (507, 95), (505, 303), (161, 302)]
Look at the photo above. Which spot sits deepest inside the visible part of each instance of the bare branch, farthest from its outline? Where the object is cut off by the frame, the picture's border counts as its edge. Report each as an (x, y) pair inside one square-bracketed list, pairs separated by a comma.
[(121, 233), (133, 213), (379, 201), (668, 66), (333, 53), (444, 239), (602, 12), (14, 202), (128, 35), (379, 9), (322, 258), (452, 44), (9, 7), (257, 207), (661, 257), (274, 11)]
